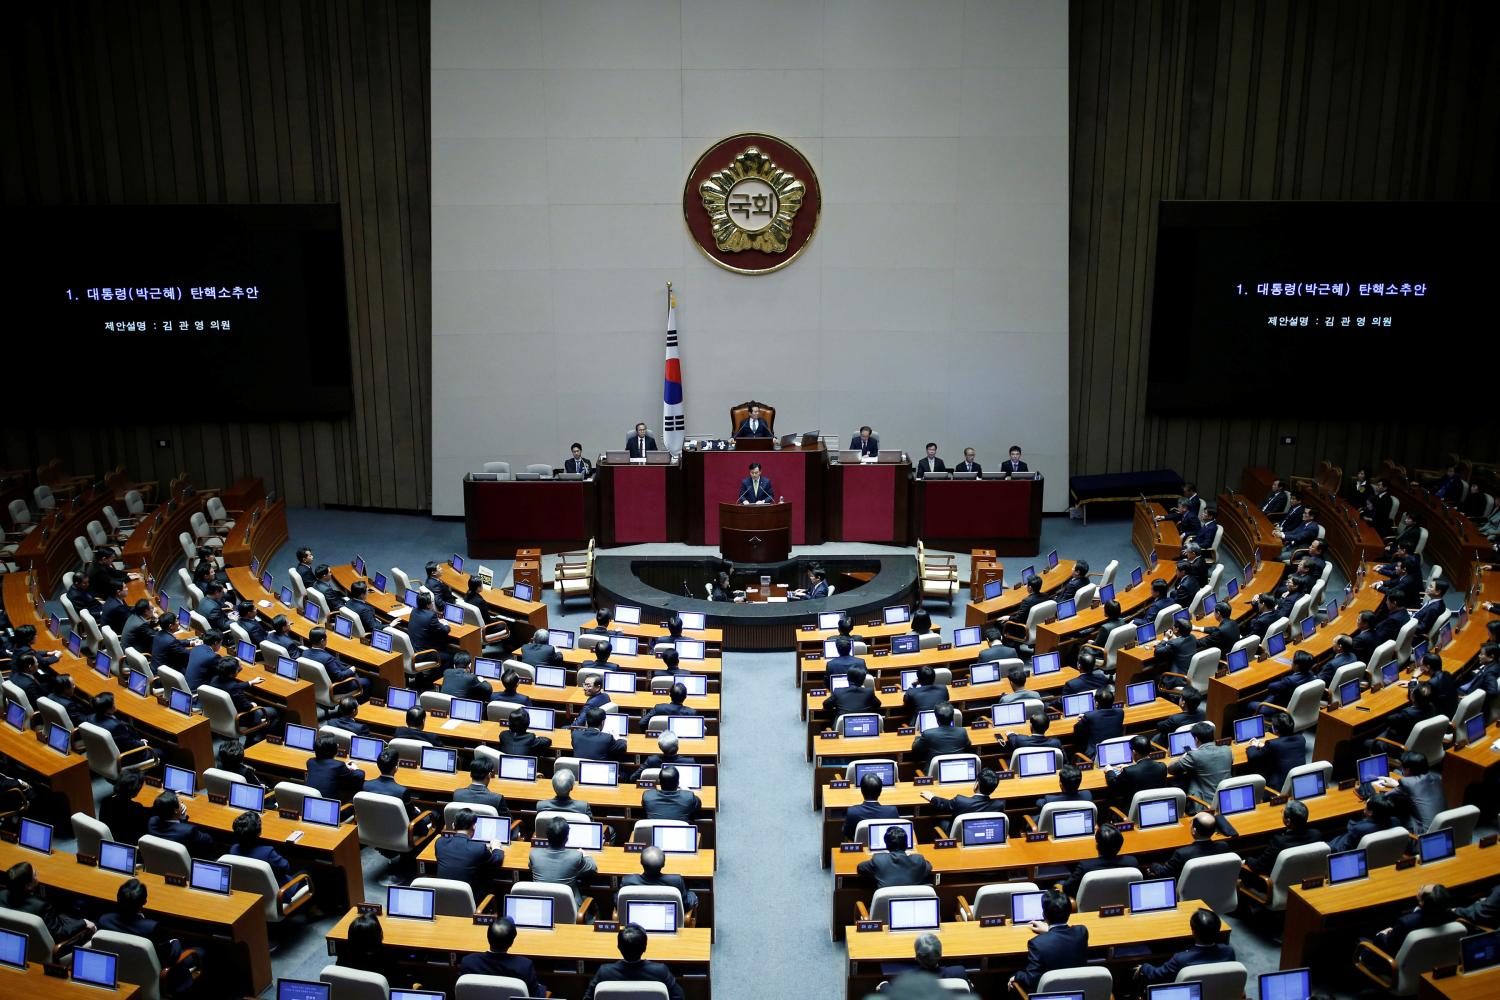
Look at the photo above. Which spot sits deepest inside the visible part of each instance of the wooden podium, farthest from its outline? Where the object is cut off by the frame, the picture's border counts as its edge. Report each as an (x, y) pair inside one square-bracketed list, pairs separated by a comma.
[(750, 533)]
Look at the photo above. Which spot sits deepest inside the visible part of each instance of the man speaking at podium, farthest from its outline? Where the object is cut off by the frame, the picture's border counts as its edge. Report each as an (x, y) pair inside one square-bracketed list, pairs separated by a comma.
[(753, 426), (756, 488)]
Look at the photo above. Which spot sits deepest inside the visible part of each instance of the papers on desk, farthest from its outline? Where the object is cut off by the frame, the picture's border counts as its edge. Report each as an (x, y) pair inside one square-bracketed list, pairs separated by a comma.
[(452, 724), (401, 612), (264, 604), (1495, 746)]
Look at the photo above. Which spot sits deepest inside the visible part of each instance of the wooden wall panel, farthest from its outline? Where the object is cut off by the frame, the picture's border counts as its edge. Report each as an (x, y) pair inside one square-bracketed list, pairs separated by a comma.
[(1262, 99), (245, 101)]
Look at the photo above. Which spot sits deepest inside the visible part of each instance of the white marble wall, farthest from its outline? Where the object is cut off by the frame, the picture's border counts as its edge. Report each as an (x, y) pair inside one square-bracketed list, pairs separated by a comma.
[(932, 303)]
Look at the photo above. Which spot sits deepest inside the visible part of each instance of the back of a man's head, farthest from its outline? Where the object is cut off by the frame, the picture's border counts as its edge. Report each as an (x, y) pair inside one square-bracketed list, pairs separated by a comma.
[(842, 645), (1039, 722), (1108, 839), (870, 787), (1069, 778), (632, 942), (944, 714), (557, 832), (1140, 746), (1017, 676), (929, 952), (857, 675), (1203, 732), (669, 779), (1205, 926), (895, 839), (501, 935), (1294, 815), (1204, 826), (1056, 909), (653, 860), (987, 781), (562, 782)]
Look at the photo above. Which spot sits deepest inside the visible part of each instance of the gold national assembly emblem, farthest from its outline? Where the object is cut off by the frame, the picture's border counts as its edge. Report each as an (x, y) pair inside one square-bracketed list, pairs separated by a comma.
[(751, 203)]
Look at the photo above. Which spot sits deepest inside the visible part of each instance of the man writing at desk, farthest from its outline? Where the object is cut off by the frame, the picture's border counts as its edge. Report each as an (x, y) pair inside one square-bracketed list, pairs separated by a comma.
[(640, 442), (865, 442), (756, 488), (753, 426)]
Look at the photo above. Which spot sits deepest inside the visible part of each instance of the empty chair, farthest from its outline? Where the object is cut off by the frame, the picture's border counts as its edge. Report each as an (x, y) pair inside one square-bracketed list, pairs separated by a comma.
[(218, 515), (97, 536), (136, 961), (1051, 809), (956, 831), (278, 901), (354, 984), (452, 809), (1425, 738), (1107, 578), (1093, 981), (564, 909), (1385, 847), (203, 534), (500, 468), (1215, 880), (383, 824), (289, 795), (294, 580), (1308, 768), (216, 781), (164, 857), (539, 469), (631, 991), (1140, 798), (452, 898), (1422, 951), (880, 904), (476, 987), (992, 900), (1106, 888), (1461, 821), (89, 833), (1221, 980)]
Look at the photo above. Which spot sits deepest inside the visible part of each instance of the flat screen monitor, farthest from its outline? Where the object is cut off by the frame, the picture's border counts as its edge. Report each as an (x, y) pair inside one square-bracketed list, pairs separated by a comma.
[(1145, 633), (299, 737), (1480, 951), (247, 797), (285, 595), (245, 651), (1418, 652), (1037, 762), (286, 668), (60, 739), (439, 759), (1348, 693), (490, 670), (311, 611), (413, 904), (1309, 626), (616, 725), (103, 665), (453, 613), (652, 916), (1175, 991), (1232, 588), (560, 638), (984, 673), (517, 768), (266, 583), (541, 718), (1152, 895), (627, 614), (1292, 984), (926, 720), (35, 836), (1474, 728), (409, 597), (15, 715), (675, 839), (1209, 603), (381, 640), (457, 562), (1013, 714), (1310, 785), (1057, 996), (1238, 660), (856, 726), (365, 748), (209, 877), (1045, 663), (491, 829), (625, 645), (883, 769), (13, 949), (1346, 866), (1073, 823), (1074, 705), (904, 644), (1370, 768), (552, 677), (1180, 743), (75, 643), (1391, 672), (690, 727), (828, 621), (875, 832), (1066, 609), (691, 649), (689, 775), (418, 995), (897, 615), (988, 831), (116, 857), (586, 836), (697, 621), (400, 699), (1025, 907), (523, 592), (604, 773), (619, 682), (1106, 593), (466, 710), (1276, 644), (963, 637), (961, 769), (1436, 846), (992, 589), (359, 565), (301, 989), (1136, 576), (94, 968), (831, 649), (138, 683), (179, 780), (696, 685), (1251, 727), (343, 626), (1028, 573), (380, 582), (1238, 799), (1052, 559), (1142, 693), (1158, 812), (179, 700), (319, 810), (919, 913), (1113, 753), (908, 679), (534, 912)]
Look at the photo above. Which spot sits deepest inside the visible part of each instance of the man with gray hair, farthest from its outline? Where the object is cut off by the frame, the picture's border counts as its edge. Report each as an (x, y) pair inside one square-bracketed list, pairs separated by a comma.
[(557, 862), (562, 799), (539, 652), (653, 860), (667, 743), (930, 959)]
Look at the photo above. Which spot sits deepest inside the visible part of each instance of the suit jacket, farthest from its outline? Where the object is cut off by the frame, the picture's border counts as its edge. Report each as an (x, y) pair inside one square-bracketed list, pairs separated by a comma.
[(1276, 758), (1279, 691), (113, 613), (919, 697), (682, 804), (1275, 503), (1192, 851), (841, 664), (82, 601), (201, 664), (1419, 798), (1205, 535), (364, 612), (462, 684), (349, 724), (1094, 680), (58, 925), (280, 869), (1010, 466), (938, 740), (333, 779), (562, 864), (761, 429), (488, 963), (962, 805), (1359, 827), (336, 668), (926, 465), (578, 467), (481, 795), (540, 654), (633, 446), (524, 744), (689, 897), (1063, 946), (1204, 767), (1280, 841), (1411, 920), (817, 590), (427, 630), (565, 805), (1400, 723), (595, 744), (870, 447), (305, 574), (1444, 693), (850, 699), (1194, 955), (635, 972), (1143, 775), (889, 868), (1332, 666), (383, 785), (1222, 637), (1427, 615), (198, 842), (1096, 864), (866, 810), (126, 818), (1292, 518), (470, 861), (1101, 724), (126, 738), (1378, 506), (1027, 741), (754, 492), (973, 467), (1176, 653), (1485, 912), (167, 950)]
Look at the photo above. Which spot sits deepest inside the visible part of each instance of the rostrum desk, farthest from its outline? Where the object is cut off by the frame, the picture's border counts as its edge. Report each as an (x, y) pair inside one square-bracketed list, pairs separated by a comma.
[(755, 533)]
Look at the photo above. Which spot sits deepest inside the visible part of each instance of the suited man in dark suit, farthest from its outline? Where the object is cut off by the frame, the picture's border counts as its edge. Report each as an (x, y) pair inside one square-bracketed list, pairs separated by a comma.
[(345, 716), (578, 465), (870, 787), (1144, 774), (1408, 535), (1302, 535), (1013, 463), (756, 488), (499, 962), (1277, 500), (226, 678), (323, 584), (1055, 944), (1034, 596), (415, 727), (961, 805), (930, 462), (1038, 722), (945, 737), (203, 660), (592, 743), (169, 822), (1107, 841), (640, 442), (1364, 640), (1400, 723), (1203, 845), (1434, 908), (317, 650), (1388, 628), (1206, 948), (466, 860), (865, 442), (1279, 692), (669, 800), (478, 791), (968, 464), (79, 595), (460, 682), (23, 892), (1275, 758), (1444, 685), (249, 624), (1175, 654), (385, 782), (1114, 617), (114, 611), (24, 676), (359, 591), (1294, 832), (995, 647), (1105, 722), (1208, 529), (1265, 616), (1407, 582), (1073, 583), (441, 592), (125, 737), (844, 661), (653, 860), (333, 778), (1293, 515), (518, 742), (428, 630), (631, 969), (1184, 585), (1160, 601), (280, 633), (1379, 815), (1378, 508), (249, 844), (304, 567), (1091, 675), (894, 866), (215, 607), (1343, 655), (924, 694), (1432, 607), (1224, 633), (539, 652), (819, 588), (128, 917), (753, 426), (675, 705), (854, 698)]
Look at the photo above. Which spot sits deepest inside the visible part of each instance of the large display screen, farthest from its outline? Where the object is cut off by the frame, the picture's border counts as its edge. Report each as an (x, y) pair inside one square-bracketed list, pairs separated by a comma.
[(1316, 307), (218, 312)]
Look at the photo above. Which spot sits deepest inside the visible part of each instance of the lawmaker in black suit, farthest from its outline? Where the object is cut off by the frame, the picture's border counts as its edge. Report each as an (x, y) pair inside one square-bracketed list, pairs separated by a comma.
[(756, 488), (477, 791), (539, 652), (930, 462), (1013, 463), (865, 442), (653, 860), (640, 442), (924, 694), (1224, 633), (498, 961), (23, 892), (942, 738), (962, 805), (669, 800), (385, 782), (1294, 832), (854, 698), (459, 680), (169, 822), (591, 742), (1107, 841), (427, 630), (1105, 722), (518, 742), (1144, 774), (125, 737), (968, 464), (248, 843), (1434, 908), (894, 866), (1203, 845), (1055, 944), (753, 426), (869, 806), (361, 608), (631, 969), (333, 778), (128, 917), (1206, 949), (578, 466), (463, 859), (1275, 758)]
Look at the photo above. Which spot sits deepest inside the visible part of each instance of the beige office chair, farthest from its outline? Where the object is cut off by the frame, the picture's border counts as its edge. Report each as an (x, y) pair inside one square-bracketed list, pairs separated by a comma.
[(105, 758), (1221, 980), (354, 984), (1094, 982), (1215, 880), (565, 910), (164, 857), (880, 904), (383, 824), (992, 900), (452, 898), (1110, 887), (277, 901), (1309, 768), (1462, 821), (654, 894), (476, 987), (217, 781), (1422, 951), (89, 833), (1292, 866)]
